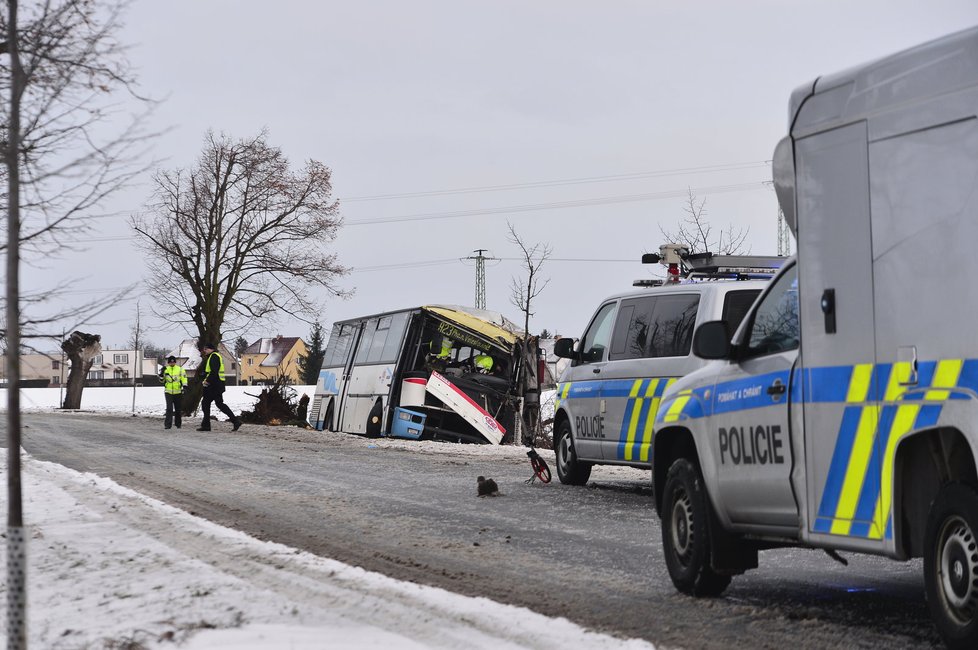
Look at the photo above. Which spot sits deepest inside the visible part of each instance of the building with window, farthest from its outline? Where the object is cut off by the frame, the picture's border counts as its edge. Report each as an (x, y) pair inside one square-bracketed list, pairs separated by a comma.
[(188, 356), (110, 368), (265, 360), (39, 370), (118, 367)]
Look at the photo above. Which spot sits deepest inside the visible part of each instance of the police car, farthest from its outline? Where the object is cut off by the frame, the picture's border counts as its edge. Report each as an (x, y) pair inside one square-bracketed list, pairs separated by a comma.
[(636, 345)]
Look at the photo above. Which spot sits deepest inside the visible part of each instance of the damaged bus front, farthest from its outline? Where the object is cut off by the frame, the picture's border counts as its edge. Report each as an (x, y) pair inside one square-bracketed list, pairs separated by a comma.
[(434, 372)]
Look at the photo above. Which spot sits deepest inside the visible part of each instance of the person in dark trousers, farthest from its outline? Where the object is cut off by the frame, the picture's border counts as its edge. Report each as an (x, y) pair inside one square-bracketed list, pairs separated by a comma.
[(174, 382), (212, 366)]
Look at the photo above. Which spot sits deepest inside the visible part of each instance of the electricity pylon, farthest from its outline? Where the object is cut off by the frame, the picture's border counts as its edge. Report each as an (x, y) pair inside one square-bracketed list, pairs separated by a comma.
[(480, 276)]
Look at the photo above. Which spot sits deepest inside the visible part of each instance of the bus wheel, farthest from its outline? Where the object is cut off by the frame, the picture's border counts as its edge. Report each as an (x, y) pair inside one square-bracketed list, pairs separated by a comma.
[(375, 420), (570, 470), (951, 565), (686, 533)]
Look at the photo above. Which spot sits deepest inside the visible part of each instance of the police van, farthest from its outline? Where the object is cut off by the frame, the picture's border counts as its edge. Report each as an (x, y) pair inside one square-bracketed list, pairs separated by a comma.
[(843, 412), (636, 344)]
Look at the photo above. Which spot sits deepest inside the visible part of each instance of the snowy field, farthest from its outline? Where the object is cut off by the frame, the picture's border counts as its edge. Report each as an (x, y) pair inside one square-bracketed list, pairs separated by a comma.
[(111, 568), (148, 400)]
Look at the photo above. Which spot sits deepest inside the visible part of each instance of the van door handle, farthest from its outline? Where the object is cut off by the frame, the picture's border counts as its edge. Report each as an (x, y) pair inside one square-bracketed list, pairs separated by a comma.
[(777, 388), (596, 370)]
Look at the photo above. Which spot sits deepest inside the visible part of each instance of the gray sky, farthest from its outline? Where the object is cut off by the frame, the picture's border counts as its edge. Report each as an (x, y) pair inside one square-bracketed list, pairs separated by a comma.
[(435, 96)]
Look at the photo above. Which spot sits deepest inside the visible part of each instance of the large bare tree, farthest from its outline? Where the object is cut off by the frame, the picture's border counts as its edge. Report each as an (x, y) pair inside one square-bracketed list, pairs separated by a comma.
[(696, 233), (60, 71), (239, 237)]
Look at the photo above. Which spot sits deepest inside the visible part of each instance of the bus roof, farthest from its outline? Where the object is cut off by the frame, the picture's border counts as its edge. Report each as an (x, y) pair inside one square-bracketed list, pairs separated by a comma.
[(492, 325)]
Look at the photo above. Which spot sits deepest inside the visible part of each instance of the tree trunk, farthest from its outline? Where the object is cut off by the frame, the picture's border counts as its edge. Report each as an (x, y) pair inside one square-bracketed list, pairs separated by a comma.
[(81, 349), (191, 396)]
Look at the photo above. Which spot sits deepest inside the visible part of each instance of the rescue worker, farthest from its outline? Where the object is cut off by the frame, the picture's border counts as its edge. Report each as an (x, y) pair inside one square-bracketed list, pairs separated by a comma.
[(212, 367), (483, 363), (174, 379), (439, 353), (444, 353)]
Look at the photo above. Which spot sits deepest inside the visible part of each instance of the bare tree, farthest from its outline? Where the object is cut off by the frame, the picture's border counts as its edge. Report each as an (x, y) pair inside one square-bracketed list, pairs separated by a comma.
[(59, 68), (523, 292), (696, 233), (240, 237)]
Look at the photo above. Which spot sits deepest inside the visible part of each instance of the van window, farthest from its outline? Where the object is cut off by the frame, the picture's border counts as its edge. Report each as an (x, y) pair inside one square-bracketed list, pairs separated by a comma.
[(775, 326), (632, 338), (736, 304), (597, 339), (671, 333)]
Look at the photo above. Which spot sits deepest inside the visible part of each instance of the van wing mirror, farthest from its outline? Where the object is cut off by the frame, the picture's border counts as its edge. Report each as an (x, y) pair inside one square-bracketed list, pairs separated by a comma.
[(565, 348), (712, 340)]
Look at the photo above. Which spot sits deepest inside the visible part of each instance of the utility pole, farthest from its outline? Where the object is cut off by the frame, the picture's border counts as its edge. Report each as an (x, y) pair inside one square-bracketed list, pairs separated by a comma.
[(784, 245), (480, 276)]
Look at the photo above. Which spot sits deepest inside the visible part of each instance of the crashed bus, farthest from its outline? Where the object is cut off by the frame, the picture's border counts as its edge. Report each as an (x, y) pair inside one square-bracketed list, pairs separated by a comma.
[(440, 372)]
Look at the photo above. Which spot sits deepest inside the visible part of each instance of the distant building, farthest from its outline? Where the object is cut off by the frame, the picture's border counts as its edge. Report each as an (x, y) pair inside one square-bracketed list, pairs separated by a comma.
[(109, 368), (265, 360), (188, 356), (38, 370)]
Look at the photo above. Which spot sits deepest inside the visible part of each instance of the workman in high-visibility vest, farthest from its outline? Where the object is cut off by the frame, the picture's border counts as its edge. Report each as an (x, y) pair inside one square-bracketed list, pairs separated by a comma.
[(212, 368), (445, 351), (174, 379), (483, 363)]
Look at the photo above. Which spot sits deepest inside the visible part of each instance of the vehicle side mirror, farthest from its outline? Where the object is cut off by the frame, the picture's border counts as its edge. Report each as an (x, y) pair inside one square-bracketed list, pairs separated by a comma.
[(565, 348), (712, 340)]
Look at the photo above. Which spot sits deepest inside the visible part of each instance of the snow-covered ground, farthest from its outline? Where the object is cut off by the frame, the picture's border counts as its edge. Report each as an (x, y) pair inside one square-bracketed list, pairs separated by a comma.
[(111, 568), (148, 399)]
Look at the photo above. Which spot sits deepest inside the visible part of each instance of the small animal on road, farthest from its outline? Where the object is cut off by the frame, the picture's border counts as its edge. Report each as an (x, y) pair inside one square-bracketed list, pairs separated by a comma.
[(487, 487)]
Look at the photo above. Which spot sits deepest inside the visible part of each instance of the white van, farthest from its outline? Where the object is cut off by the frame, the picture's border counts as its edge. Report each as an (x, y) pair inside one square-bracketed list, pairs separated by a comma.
[(636, 344), (844, 413)]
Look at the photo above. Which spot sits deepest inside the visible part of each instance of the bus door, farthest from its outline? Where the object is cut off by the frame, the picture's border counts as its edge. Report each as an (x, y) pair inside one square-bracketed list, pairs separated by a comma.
[(344, 385)]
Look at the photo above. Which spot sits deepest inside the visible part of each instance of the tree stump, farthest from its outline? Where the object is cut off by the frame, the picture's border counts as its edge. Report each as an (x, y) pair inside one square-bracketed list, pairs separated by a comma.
[(81, 349)]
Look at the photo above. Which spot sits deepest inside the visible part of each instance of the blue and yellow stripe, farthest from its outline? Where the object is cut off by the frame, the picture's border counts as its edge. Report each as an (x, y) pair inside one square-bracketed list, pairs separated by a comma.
[(880, 409)]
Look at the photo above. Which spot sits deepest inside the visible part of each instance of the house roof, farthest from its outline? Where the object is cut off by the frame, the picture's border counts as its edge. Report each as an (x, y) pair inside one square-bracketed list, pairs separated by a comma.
[(276, 349), (188, 350)]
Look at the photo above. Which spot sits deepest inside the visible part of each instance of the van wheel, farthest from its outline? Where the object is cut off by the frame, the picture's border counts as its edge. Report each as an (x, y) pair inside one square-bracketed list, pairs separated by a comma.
[(374, 420), (686, 533), (570, 470), (951, 565)]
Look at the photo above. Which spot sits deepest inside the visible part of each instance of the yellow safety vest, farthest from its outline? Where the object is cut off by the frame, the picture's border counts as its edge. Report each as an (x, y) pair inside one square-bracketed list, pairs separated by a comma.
[(483, 362), (207, 366), (446, 349), (174, 379)]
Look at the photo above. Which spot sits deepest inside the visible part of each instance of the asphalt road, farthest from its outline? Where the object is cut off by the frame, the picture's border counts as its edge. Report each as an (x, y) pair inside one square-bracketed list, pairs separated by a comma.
[(410, 510)]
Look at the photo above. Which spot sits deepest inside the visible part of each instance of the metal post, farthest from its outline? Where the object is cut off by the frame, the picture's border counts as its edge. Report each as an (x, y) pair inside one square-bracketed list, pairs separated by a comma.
[(16, 552)]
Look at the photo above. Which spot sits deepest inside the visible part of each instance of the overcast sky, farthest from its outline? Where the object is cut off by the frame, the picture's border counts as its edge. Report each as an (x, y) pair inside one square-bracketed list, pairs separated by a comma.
[(593, 118)]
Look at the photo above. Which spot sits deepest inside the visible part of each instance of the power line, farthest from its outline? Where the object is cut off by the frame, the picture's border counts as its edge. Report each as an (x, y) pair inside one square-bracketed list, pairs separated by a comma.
[(532, 207), (563, 182), (605, 200), (442, 262)]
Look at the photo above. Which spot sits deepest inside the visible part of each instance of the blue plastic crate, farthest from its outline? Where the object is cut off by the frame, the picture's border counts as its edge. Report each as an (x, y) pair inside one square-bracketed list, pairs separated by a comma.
[(407, 424)]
